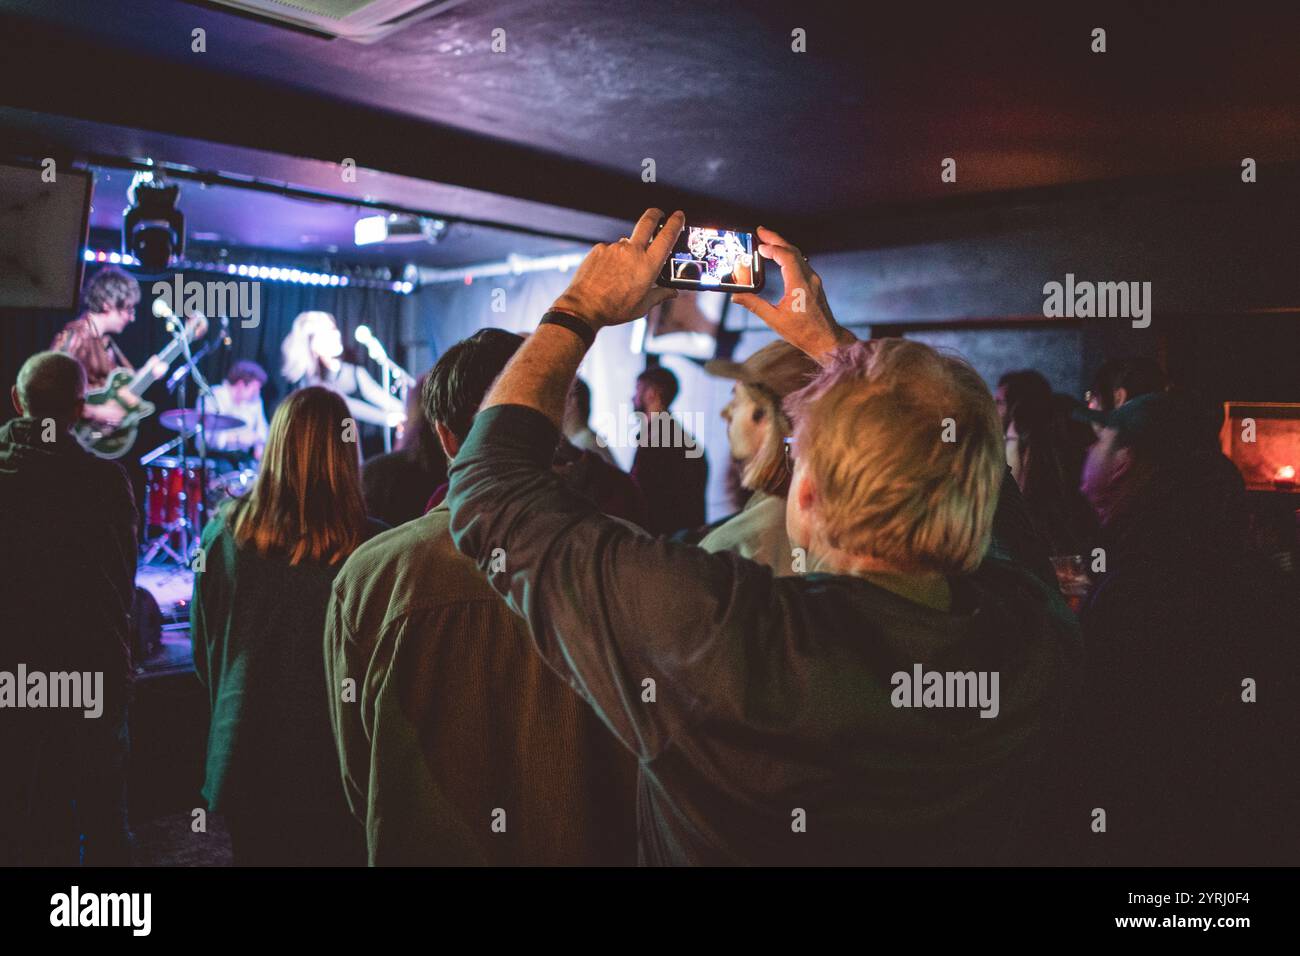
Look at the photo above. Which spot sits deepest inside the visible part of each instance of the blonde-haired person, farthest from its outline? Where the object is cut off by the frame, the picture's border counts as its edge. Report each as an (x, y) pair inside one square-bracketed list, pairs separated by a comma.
[(257, 619), (757, 430), (895, 705), (313, 354)]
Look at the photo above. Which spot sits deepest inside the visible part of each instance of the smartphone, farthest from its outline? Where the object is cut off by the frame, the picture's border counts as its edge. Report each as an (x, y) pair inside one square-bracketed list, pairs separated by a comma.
[(713, 259)]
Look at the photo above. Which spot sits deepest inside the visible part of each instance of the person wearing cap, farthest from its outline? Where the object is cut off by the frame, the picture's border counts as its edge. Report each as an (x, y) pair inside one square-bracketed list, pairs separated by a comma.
[(757, 429), (1191, 764)]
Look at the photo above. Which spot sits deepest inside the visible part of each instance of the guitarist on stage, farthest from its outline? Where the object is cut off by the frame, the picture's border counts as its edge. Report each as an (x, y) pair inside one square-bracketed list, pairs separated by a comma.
[(109, 298)]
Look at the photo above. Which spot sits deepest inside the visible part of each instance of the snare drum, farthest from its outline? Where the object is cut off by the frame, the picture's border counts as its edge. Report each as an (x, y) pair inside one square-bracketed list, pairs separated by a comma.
[(174, 491), (233, 484)]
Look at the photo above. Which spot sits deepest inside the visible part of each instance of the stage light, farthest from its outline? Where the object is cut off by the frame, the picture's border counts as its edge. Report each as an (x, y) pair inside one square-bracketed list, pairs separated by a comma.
[(397, 227), (153, 229), (370, 230)]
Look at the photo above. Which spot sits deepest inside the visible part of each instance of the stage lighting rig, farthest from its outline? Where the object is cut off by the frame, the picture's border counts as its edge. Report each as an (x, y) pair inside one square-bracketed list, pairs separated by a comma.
[(153, 228)]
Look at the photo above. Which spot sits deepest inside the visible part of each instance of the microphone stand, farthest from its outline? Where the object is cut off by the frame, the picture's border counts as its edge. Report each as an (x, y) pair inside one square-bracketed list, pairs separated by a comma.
[(390, 371), (193, 509)]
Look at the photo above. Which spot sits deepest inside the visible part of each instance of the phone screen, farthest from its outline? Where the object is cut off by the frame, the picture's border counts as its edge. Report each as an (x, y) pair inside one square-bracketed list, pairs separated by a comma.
[(707, 258)]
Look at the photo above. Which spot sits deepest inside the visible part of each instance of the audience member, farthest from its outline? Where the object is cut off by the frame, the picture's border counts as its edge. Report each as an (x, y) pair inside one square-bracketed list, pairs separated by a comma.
[(577, 423), (1119, 380), (464, 747), (67, 579), (757, 430), (670, 465), (261, 588), (1042, 463), (773, 716), (397, 485), (1183, 622)]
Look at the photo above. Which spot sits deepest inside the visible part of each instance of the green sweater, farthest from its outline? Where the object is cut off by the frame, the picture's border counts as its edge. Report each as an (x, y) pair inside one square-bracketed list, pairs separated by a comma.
[(256, 623)]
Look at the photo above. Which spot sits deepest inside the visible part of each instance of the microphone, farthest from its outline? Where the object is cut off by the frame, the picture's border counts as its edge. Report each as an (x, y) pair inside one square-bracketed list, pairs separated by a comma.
[(365, 337), (375, 348), (162, 310)]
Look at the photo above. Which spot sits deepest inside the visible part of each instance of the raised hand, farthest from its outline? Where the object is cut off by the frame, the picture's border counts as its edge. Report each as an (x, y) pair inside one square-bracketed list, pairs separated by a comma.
[(616, 282), (802, 317)]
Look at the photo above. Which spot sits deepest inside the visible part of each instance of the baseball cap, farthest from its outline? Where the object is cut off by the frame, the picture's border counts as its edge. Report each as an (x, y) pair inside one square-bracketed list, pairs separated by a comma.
[(778, 367)]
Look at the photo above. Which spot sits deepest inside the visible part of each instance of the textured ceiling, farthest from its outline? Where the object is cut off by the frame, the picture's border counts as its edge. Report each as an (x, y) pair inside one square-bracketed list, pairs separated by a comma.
[(736, 122)]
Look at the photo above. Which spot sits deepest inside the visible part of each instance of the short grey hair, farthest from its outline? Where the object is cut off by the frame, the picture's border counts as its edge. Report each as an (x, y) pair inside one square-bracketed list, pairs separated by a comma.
[(50, 384)]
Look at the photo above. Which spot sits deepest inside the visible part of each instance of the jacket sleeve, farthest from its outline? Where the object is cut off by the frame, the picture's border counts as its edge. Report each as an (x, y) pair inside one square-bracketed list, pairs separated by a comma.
[(341, 663), (644, 629)]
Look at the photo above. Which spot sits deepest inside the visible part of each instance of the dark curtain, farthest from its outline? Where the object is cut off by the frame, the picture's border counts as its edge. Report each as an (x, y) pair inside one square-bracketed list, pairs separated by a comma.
[(25, 332)]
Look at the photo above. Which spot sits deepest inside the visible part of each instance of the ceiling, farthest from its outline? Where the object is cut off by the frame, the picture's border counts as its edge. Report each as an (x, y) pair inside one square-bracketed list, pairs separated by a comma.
[(552, 133), (226, 216)]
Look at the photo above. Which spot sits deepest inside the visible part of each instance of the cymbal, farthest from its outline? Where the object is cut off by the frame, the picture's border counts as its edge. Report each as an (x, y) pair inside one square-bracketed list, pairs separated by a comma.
[(187, 419)]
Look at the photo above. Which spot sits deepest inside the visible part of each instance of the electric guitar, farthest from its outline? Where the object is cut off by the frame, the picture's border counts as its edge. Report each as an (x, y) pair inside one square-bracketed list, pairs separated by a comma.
[(124, 389)]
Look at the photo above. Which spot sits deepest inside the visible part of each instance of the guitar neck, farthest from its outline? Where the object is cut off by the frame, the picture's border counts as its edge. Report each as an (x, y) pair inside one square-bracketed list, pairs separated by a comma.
[(146, 376)]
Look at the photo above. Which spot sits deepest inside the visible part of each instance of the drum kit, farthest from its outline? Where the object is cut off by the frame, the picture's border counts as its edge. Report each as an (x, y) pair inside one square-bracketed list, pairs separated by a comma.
[(182, 490)]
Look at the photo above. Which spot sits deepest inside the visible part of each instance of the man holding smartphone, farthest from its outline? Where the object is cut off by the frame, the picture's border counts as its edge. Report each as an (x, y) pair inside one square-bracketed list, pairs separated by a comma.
[(765, 711)]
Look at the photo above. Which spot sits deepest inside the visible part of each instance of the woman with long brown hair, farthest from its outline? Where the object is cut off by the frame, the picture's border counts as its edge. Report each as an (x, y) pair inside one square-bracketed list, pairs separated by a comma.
[(261, 588)]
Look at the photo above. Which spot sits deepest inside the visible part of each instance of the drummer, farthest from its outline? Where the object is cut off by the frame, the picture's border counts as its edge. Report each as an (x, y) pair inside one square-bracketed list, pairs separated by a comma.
[(240, 396)]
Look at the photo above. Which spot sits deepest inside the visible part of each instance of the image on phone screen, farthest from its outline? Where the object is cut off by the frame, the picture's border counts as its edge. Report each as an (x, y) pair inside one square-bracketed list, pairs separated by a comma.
[(709, 258)]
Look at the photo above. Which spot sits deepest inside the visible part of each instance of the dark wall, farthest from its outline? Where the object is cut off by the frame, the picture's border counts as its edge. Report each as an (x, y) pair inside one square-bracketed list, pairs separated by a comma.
[(1221, 257)]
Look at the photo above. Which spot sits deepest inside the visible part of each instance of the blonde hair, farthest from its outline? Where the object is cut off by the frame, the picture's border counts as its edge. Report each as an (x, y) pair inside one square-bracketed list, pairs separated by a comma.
[(904, 446), (768, 470), (299, 360), (307, 501)]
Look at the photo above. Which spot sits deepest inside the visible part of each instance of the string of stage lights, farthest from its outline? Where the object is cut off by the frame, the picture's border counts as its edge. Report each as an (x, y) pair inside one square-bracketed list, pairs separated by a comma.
[(287, 274)]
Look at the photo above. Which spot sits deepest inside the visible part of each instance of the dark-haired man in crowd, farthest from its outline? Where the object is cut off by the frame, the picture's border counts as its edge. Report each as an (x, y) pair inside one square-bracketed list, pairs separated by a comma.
[(460, 746), (670, 464), (67, 580), (1123, 379), (790, 720)]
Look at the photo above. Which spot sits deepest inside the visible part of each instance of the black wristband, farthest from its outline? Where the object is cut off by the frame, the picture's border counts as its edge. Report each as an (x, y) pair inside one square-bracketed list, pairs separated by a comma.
[(571, 322)]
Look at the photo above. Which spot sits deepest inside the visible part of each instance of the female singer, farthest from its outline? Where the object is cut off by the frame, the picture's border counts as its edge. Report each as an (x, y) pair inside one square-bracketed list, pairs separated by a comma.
[(314, 355)]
